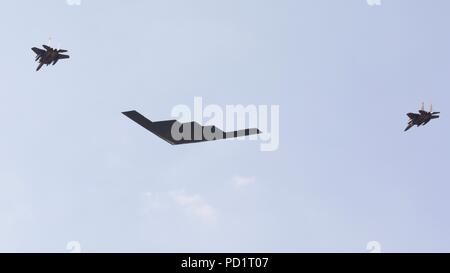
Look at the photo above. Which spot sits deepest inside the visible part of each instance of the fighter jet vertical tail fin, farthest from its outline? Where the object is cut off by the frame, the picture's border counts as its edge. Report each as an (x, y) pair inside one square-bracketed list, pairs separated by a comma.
[(422, 107)]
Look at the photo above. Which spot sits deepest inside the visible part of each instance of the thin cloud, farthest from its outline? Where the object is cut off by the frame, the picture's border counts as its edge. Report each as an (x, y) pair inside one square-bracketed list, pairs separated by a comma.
[(73, 2), (154, 201), (194, 205), (240, 182), (374, 2)]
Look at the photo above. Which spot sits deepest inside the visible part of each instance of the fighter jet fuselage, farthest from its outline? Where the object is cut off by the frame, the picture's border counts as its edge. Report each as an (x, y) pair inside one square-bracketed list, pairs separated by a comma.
[(48, 55)]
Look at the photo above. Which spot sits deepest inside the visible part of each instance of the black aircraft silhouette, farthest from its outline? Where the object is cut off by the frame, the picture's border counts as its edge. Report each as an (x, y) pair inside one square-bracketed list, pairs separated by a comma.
[(176, 133), (48, 56), (422, 118)]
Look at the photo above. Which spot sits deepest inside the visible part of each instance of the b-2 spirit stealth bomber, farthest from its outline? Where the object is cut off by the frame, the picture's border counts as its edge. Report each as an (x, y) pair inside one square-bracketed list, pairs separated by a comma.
[(175, 132)]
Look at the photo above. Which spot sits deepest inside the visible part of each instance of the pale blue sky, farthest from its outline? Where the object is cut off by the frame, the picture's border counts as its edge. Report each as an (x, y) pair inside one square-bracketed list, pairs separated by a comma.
[(344, 74)]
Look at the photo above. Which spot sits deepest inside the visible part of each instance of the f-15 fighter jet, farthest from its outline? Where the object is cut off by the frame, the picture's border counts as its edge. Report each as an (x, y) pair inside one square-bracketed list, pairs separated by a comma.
[(48, 56), (421, 118)]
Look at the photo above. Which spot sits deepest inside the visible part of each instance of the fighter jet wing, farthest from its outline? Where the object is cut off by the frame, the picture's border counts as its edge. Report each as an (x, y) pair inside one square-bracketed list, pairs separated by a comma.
[(38, 51), (425, 122), (413, 115), (176, 133), (422, 112)]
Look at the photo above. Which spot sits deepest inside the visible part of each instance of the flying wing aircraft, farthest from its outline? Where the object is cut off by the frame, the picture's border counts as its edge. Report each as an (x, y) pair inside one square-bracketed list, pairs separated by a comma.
[(176, 132), (421, 118), (48, 55)]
